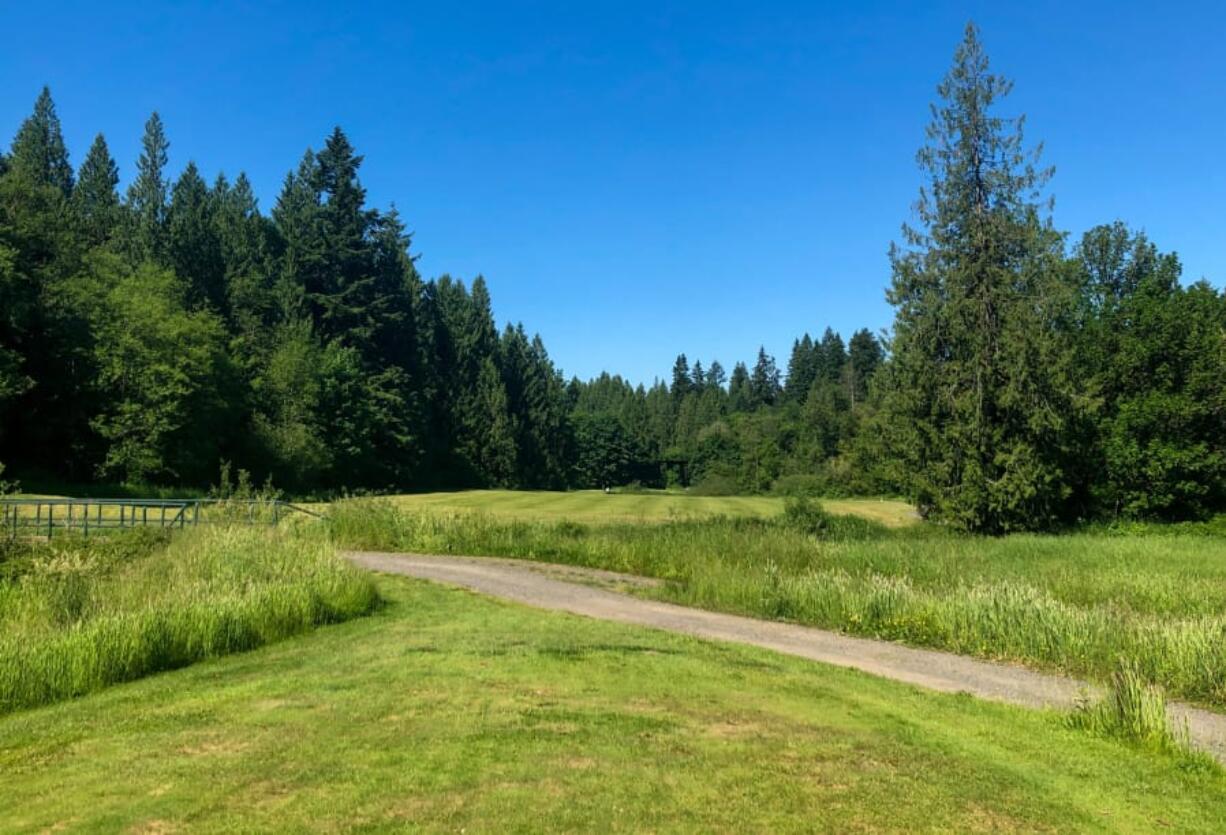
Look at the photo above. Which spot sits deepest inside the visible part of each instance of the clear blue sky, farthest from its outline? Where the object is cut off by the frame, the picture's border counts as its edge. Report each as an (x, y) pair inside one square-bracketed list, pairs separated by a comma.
[(641, 179)]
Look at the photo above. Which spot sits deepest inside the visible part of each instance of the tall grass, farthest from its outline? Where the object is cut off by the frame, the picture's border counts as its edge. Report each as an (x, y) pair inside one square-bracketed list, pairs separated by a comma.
[(1135, 710), (76, 616), (1075, 603)]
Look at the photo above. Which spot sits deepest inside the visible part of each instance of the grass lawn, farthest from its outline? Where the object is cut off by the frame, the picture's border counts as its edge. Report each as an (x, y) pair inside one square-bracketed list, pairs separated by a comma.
[(654, 506), (446, 711)]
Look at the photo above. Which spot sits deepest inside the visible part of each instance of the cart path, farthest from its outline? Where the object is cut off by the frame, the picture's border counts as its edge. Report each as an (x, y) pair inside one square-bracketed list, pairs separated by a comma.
[(587, 592)]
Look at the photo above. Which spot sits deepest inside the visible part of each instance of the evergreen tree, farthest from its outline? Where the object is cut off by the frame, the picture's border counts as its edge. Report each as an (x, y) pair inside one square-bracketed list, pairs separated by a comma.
[(250, 277), (716, 378), (740, 394), (699, 377), (982, 392), (682, 382), (764, 388), (95, 197), (802, 368), (832, 357), (38, 153), (147, 194), (193, 249), (864, 357)]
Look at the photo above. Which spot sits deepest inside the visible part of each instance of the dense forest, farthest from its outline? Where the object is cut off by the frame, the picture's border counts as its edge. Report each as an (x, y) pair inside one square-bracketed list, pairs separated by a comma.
[(1031, 379)]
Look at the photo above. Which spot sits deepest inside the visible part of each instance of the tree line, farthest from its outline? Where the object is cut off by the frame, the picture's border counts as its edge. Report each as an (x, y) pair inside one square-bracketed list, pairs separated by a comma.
[(1029, 380)]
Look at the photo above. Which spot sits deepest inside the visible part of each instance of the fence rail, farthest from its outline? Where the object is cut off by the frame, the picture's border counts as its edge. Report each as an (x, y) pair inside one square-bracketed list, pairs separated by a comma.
[(47, 517)]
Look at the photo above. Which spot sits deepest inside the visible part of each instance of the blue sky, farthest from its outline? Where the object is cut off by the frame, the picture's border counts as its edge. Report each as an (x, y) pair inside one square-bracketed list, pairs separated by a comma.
[(641, 179)]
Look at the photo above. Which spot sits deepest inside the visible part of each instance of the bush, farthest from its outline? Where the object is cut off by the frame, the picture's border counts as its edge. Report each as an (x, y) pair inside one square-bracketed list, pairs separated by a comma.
[(799, 484), (806, 516), (717, 484)]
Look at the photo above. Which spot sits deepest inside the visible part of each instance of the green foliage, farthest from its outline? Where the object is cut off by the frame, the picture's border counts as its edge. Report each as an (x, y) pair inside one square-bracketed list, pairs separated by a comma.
[(800, 513), (147, 195), (81, 615), (95, 198), (163, 374), (981, 396), (39, 155), (7, 487)]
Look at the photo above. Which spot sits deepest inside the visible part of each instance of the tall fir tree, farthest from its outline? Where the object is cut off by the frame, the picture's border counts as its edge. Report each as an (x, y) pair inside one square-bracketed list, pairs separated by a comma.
[(982, 392), (764, 388), (193, 249), (38, 153), (147, 195), (96, 197)]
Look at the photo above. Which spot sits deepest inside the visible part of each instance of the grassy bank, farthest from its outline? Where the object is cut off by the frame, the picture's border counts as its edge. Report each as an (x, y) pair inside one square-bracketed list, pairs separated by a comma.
[(446, 712), (77, 615), (1078, 603)]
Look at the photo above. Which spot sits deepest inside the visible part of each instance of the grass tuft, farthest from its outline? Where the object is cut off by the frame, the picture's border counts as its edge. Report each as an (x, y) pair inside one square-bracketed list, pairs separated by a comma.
[(1135, 711)]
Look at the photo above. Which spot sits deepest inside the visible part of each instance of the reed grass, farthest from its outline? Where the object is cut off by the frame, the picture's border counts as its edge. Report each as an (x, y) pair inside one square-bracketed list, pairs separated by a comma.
[(1135, 711), (76, 615)]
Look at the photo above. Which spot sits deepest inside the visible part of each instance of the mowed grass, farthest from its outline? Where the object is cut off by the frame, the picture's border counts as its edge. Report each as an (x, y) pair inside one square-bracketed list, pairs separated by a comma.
[(445, 711), (647, 506), (1077, 603)]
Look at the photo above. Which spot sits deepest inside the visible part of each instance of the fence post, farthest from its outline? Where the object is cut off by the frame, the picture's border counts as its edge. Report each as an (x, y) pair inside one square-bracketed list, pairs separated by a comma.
[(50, 518)]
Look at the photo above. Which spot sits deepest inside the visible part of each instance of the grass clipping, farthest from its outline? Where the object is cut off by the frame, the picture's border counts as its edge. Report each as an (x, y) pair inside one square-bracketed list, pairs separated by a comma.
[(76, 616), (1134, 710)]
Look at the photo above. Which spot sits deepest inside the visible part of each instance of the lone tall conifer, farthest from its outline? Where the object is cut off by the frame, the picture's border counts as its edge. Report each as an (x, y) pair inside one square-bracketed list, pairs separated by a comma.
[(981, 399)]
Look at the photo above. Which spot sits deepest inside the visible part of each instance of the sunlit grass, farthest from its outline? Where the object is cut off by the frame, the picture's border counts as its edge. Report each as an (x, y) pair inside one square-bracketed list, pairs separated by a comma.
[(646, 506), (1077, 603), (445, 711)]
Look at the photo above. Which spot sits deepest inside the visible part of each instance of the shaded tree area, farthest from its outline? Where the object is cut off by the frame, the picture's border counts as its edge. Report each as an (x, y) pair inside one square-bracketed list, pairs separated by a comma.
[(148, 337)]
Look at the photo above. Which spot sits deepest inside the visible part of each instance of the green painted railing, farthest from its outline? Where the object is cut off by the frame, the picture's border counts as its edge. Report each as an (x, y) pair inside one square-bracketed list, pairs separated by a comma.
[(47, 517)]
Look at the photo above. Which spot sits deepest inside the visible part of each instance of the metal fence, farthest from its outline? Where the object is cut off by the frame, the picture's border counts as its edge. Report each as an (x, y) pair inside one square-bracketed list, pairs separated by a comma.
[(47, 517)]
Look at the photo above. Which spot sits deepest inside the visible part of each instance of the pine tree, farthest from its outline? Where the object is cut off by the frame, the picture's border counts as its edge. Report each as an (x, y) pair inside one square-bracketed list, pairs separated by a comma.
[(864, 356), (832, 357), (802, 368), (682, 382), (193, 248), (981, 391), (740, 397), (95, 197), (764, 388), (147, 194), (249, 276), (38, 152), (699, 377)]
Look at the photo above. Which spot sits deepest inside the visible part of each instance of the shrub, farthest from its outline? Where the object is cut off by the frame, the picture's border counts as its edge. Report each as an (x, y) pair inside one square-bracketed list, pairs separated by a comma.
[(798, 484), (802, 514), (717, 484)]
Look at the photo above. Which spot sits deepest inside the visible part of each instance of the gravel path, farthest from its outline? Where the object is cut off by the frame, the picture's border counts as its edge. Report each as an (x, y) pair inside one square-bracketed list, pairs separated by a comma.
[(592, 593)]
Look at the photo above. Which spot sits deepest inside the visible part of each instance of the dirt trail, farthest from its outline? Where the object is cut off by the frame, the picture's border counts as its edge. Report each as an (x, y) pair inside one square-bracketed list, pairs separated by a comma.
[(588, 592)]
